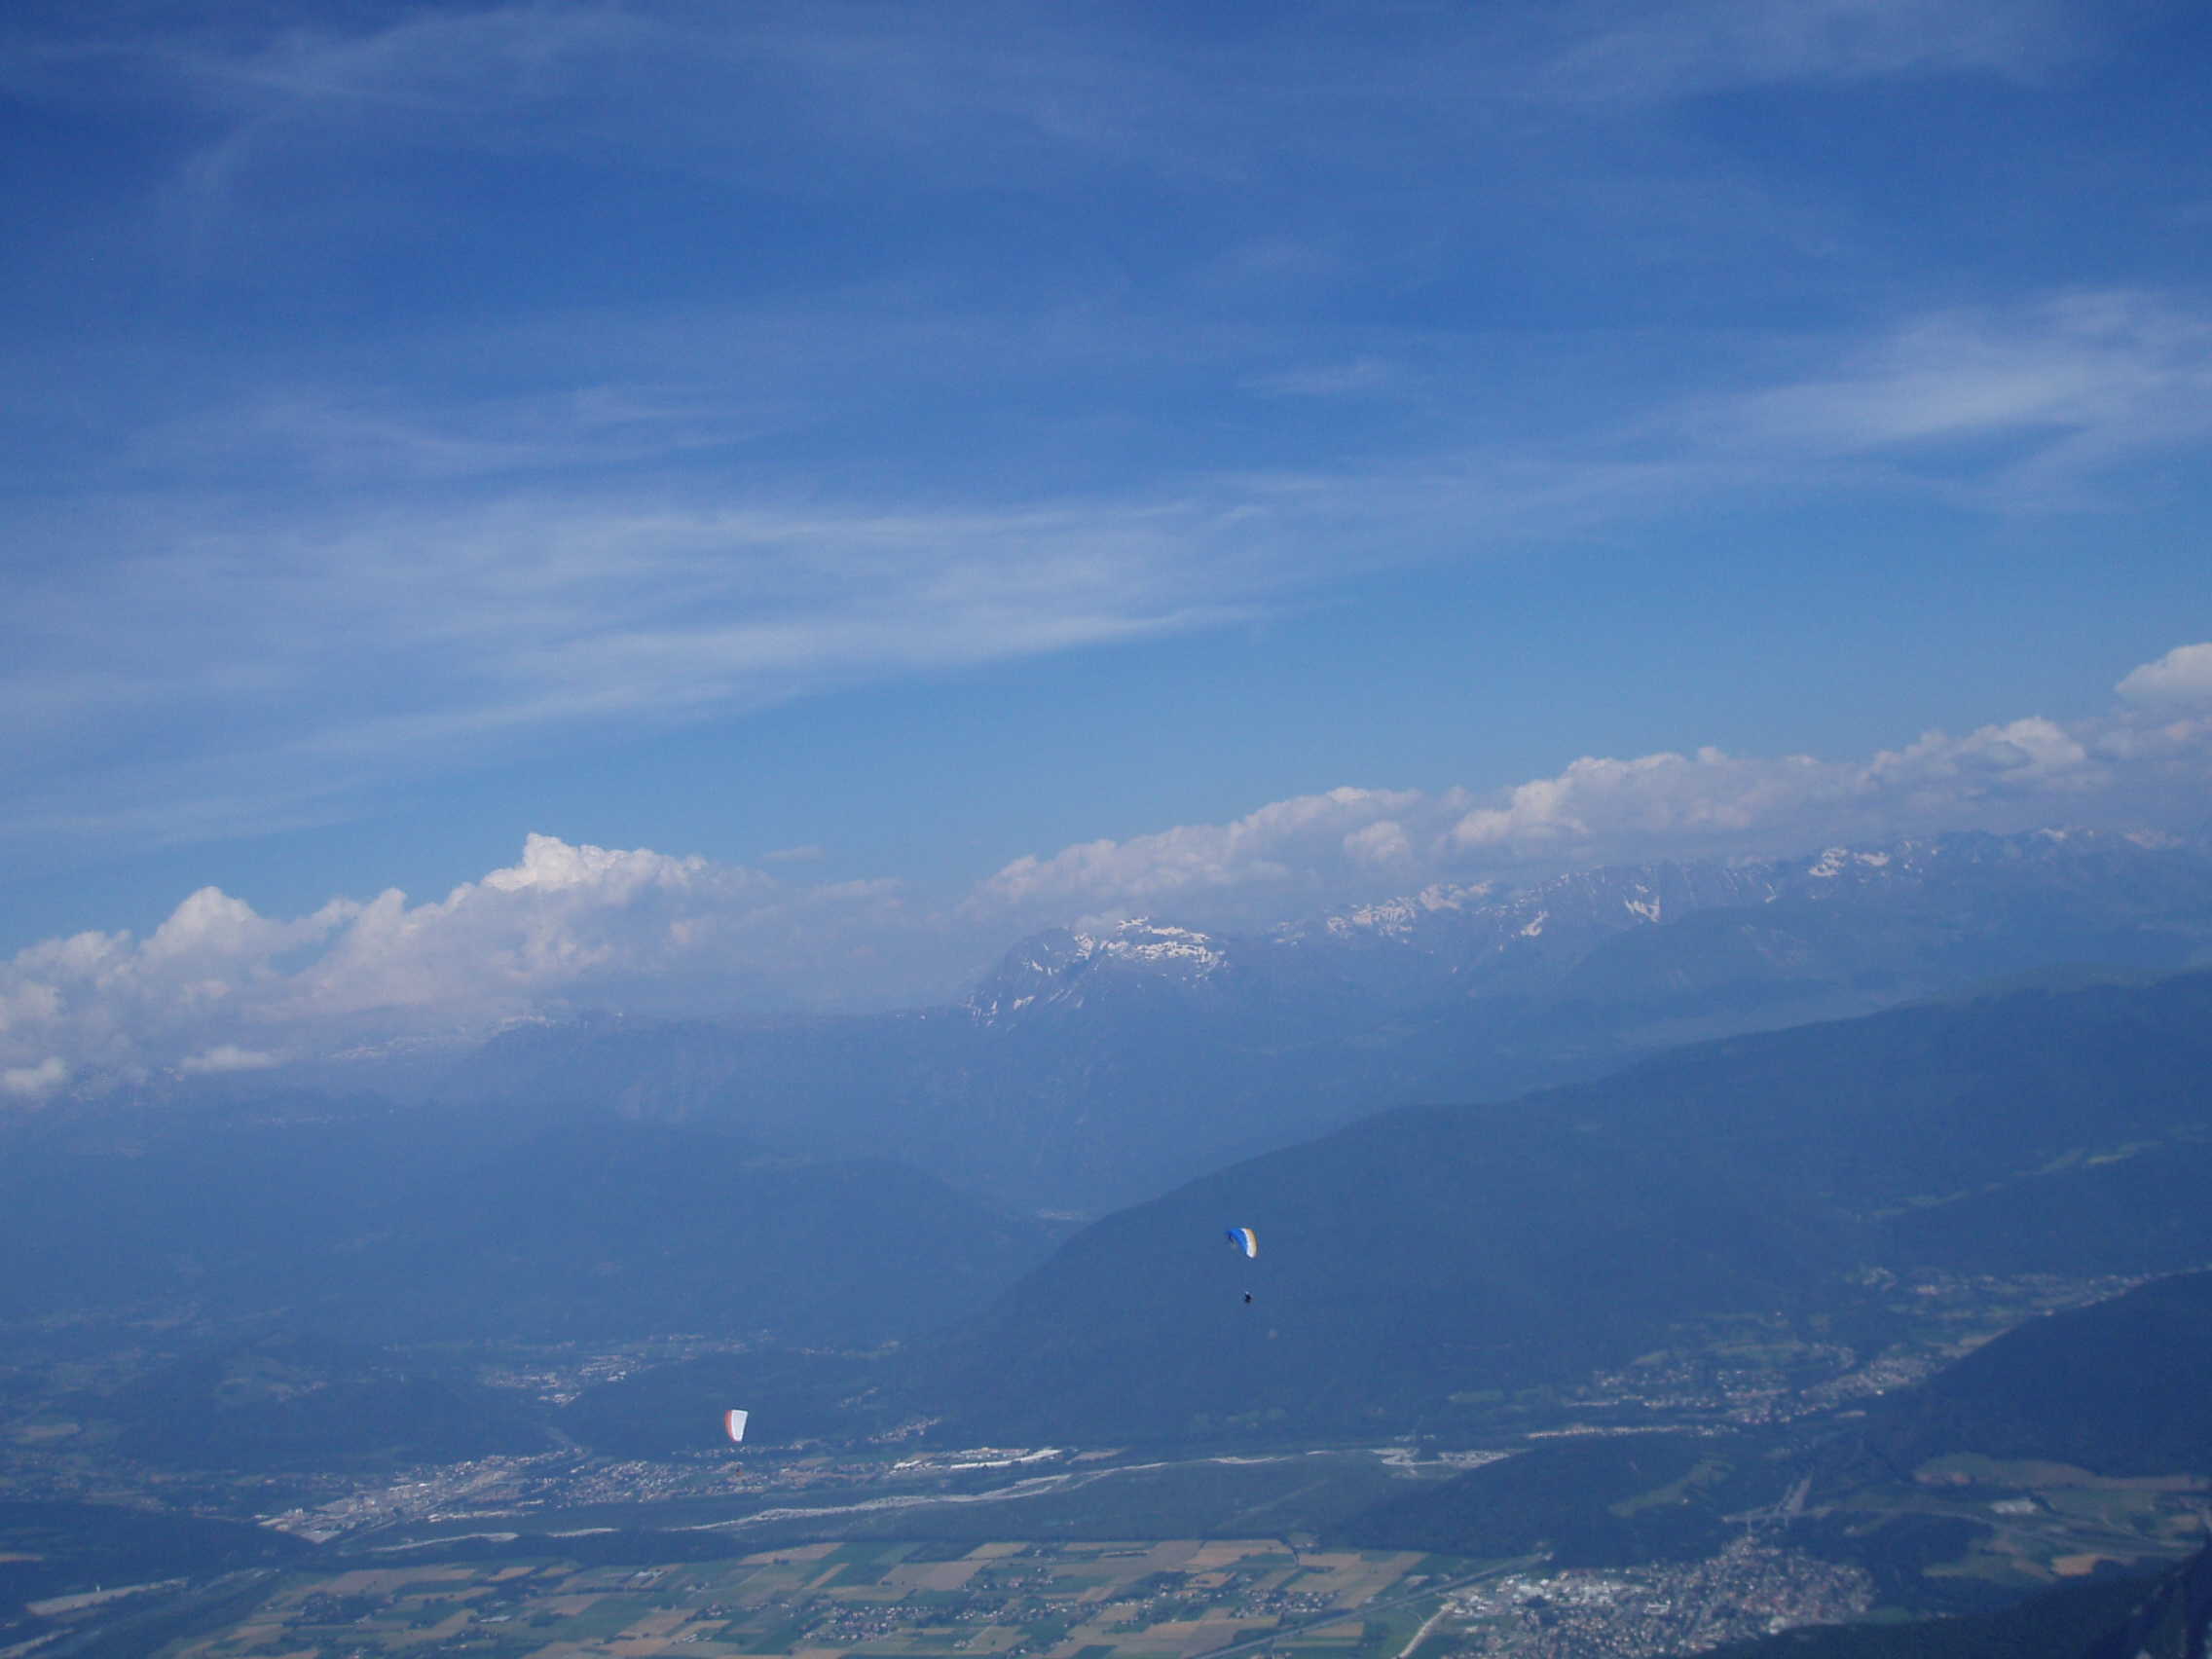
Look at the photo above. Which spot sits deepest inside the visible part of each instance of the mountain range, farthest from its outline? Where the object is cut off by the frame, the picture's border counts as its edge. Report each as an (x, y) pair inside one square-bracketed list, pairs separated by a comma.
[(1094, 1069), (1454, 1271), (859, 1180)]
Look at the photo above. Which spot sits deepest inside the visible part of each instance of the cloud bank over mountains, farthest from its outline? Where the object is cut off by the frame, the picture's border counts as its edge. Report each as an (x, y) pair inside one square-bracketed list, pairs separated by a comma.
[(2149, 762), (218, 988)]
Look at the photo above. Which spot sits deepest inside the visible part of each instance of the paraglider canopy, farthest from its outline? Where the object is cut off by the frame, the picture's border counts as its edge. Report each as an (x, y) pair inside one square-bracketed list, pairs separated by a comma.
[(1243, 1238), (733, 1426)]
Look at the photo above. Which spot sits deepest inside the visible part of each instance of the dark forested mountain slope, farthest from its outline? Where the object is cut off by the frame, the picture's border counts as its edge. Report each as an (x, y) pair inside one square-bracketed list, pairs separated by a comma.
[(2074, 1622), (2162, 1616), (49, 1548), (1576, 1500), (1435, 1251), (2120, 1388), (2174, 1621)]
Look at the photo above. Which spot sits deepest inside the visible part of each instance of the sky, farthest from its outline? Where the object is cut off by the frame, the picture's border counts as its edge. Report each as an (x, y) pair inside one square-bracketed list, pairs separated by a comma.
[(683, 506)]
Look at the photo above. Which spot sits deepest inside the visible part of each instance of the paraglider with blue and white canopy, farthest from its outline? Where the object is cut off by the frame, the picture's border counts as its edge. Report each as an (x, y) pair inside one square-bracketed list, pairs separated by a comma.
[(1246, 1243)]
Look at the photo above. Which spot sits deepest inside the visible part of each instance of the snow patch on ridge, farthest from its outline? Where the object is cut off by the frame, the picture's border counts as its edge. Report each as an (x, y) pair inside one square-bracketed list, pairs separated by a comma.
[(1058, 968), (1394, 918), (1833, 862)]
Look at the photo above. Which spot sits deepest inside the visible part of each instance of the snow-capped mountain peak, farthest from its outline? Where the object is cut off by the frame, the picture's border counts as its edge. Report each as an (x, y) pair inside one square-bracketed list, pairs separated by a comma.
[(1064, 966)]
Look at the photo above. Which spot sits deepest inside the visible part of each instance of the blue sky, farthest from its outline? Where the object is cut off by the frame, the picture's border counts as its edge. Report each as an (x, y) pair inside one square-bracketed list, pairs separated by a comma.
[(867, 446)]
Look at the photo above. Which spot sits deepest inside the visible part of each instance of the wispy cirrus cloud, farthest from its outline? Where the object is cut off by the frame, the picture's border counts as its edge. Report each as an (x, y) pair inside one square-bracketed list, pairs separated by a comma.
[(1608, 50), (439, 482), (1309, 843), (982, 92), (422, 594), (967, 95), (332, 653), (2072, 386)]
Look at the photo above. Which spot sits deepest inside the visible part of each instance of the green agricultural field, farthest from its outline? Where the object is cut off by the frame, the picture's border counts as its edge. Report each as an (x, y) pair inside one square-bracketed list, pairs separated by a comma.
[(2043, 1521), (1180, 1598)]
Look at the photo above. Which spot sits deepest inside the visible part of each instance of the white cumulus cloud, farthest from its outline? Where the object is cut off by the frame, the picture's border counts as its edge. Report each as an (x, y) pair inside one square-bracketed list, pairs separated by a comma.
[(2138, 765), (30, 1083), (2182, 677), (1288, 844), (226, 1057), (218, 988)]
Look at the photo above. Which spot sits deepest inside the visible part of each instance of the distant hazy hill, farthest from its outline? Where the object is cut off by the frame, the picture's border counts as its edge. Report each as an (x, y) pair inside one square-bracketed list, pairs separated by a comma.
[(1428, 1252), (229, 1207), (286, 1401), (1092, 1069), (413, 1226), (620, 1229)]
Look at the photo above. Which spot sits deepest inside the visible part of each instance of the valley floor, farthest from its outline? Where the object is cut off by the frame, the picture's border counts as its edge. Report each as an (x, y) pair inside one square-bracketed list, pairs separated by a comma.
[(892, 1551)]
